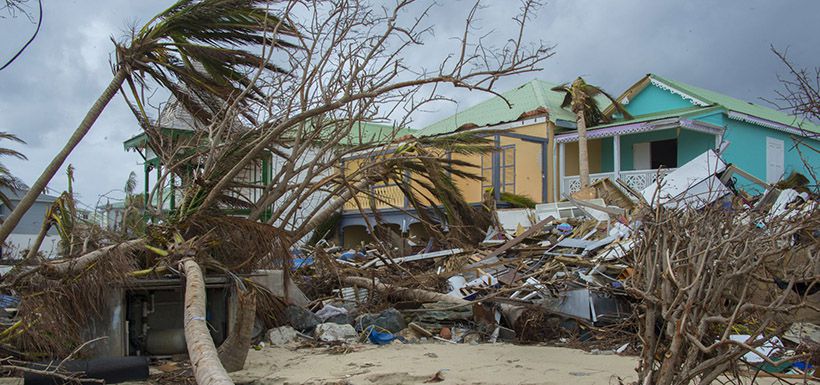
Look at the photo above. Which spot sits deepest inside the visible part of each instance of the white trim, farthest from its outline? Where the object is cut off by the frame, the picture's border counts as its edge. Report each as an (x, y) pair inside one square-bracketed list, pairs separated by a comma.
[(616, 151), (739, 116), (685, 96), (637, 128), (562, 167), (706, 128)]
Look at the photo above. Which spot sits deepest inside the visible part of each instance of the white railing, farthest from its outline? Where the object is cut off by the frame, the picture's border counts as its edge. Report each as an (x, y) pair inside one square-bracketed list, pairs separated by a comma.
[(637, 179)]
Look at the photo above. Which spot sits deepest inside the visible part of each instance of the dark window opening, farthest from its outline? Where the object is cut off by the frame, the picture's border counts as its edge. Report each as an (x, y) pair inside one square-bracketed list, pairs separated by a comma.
[(664, 153)]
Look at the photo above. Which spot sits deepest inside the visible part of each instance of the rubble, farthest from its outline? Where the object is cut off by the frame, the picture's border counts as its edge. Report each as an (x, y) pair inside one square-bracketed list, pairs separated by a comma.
[(335, 333), (301, 319), (390, 320), (558, 273), (561, 273), (282, 335)]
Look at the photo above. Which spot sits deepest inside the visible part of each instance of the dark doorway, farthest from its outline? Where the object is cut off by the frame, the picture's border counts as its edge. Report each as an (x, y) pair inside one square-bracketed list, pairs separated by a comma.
[(664, 153)]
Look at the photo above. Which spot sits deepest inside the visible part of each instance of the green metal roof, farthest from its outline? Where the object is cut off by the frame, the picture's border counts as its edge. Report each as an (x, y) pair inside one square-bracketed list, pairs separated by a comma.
[(738, 105), (524, 98), (141, 139), (364, 133)]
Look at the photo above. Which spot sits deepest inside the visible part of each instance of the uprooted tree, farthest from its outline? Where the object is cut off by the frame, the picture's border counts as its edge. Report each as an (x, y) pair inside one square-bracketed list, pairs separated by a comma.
[(287, 82)]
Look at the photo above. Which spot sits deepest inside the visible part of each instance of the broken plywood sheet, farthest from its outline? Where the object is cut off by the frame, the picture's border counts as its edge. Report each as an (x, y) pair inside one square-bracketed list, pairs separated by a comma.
[(693, 185)]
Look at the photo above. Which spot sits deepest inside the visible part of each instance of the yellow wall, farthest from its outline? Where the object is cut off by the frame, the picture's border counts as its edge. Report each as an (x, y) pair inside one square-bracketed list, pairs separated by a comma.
[(528, 165), (471, 188), (571, 156)]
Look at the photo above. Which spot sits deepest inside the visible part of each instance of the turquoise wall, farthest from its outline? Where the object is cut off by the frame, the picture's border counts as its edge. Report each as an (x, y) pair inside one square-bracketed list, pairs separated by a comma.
[(748, 141), (690, 145), (747, 150), (653, 99)]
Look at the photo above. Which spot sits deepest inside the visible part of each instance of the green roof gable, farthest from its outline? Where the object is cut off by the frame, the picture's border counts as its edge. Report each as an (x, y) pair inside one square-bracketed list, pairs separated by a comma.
[(363, 133), (524, 98), (737, 105)]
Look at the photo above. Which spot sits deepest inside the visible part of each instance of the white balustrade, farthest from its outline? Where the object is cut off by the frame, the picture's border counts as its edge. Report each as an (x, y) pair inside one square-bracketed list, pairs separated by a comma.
[(637, 179)]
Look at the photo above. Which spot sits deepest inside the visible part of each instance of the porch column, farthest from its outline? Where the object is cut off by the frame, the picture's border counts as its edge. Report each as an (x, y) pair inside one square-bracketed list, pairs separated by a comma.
[(563, 170), (497, 169), (616, 151)]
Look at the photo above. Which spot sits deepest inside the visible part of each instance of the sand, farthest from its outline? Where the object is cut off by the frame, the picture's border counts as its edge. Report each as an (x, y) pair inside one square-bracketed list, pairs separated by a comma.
[(416, 363)]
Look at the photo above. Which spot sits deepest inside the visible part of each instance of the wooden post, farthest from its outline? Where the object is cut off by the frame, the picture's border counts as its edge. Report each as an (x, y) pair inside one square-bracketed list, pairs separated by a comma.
[(563, 167), (551, 193), (616, 151)]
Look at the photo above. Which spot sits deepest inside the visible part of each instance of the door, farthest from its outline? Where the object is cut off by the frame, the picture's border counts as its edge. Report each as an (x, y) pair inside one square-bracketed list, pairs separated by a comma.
[(641, 156), (774, 160)]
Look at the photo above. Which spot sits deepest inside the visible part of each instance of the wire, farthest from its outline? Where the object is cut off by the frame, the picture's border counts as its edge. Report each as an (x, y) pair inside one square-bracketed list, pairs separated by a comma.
[(39, 24)]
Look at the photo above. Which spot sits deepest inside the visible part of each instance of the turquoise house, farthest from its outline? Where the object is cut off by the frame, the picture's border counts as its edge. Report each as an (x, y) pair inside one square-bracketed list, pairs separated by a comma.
[(674, 122)]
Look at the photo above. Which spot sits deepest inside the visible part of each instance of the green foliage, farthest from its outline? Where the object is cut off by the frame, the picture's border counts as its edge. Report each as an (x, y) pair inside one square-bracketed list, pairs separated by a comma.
[(7, 180), (517, 200), (195, 50), (580, 97)]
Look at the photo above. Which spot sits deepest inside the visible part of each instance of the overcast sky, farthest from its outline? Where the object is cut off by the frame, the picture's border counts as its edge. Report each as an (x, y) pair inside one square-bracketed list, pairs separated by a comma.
[(721, 45)]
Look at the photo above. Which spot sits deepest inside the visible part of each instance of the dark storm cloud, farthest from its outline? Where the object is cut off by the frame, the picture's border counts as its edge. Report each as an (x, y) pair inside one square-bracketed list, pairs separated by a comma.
[(722, 45)]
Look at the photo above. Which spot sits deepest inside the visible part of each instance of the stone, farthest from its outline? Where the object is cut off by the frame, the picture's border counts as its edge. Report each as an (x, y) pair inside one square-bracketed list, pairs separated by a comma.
[(335, 333), (390, 320), (342, 319), (282, 335), (445, 333), (301, 319)]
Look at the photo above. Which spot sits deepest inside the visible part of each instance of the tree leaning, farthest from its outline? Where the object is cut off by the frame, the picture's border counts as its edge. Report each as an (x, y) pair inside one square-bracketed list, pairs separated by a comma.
[(191, 47)]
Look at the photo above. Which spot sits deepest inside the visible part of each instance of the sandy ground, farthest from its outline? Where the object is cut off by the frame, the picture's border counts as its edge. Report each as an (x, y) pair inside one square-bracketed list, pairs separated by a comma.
[(416, 363)]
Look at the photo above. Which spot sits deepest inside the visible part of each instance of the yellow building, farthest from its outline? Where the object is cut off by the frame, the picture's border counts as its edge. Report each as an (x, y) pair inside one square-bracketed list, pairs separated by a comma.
[(520, 123)]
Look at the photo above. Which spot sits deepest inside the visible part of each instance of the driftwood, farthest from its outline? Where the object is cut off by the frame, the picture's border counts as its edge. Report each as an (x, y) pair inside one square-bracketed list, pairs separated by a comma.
[(207, 368)]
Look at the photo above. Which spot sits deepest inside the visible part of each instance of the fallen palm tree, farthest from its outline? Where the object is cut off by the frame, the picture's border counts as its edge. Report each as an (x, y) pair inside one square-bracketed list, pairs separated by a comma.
[(306, 118)]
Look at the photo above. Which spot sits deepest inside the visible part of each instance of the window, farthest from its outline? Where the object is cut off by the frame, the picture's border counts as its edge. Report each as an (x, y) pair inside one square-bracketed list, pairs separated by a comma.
[(654, 155), (506, 168)]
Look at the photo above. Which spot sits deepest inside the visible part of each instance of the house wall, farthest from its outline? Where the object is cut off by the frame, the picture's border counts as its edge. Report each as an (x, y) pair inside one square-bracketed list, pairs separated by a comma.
[(594, 156), (690, 145), (471, 188), (528, 165), (653, 99), (27, 229), (747, 150)]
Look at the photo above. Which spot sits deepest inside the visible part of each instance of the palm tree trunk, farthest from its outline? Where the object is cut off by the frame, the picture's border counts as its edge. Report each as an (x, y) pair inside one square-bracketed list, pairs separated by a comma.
[(52, 168), (234, 351), (201, 350), (326, 212), (72, 265), (583, 157)]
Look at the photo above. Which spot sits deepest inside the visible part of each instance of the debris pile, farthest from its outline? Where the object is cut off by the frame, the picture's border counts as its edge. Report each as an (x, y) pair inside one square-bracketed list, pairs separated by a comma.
[(562, 273)]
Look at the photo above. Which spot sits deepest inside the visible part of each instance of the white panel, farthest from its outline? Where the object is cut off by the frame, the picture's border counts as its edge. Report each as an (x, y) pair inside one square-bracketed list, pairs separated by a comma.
[(694, 184), (641, 156), (774, 160)]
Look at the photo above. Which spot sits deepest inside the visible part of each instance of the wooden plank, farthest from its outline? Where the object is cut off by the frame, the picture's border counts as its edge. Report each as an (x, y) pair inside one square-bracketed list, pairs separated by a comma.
[(515, 241), (417, 257)]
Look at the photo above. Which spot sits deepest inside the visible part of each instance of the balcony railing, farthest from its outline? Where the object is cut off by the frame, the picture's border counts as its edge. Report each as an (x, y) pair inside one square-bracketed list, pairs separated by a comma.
[(389, 196), (637, 179)]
